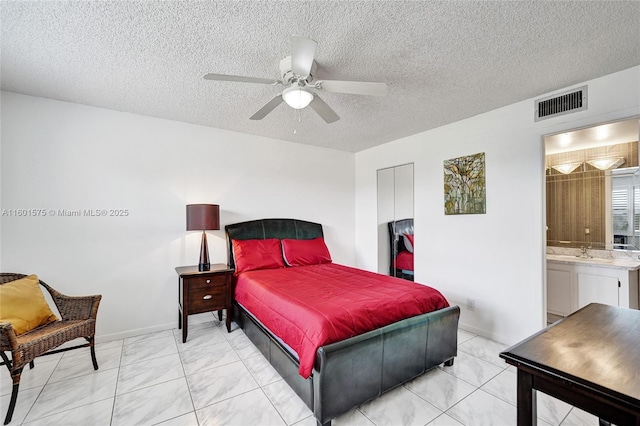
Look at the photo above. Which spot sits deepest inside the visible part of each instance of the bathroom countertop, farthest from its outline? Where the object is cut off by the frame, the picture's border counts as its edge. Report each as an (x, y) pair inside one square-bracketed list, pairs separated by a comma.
[(599, 262)]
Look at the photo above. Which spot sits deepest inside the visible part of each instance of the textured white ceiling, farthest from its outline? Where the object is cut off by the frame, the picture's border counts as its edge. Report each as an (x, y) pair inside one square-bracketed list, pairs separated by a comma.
[(443, 61)]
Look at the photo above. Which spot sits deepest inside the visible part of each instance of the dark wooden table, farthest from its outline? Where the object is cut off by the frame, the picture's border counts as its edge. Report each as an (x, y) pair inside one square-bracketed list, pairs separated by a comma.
[(590, 359)]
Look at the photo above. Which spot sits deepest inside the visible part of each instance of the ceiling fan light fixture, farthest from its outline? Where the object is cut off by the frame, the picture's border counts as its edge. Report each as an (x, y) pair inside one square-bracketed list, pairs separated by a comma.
[(297, 97)]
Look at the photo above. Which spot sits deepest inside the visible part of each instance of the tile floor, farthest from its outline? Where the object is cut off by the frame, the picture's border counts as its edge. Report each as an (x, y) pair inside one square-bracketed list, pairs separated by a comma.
[(217, 378)]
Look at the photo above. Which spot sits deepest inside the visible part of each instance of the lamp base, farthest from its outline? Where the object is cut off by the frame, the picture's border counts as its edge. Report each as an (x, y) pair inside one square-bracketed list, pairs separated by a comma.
[(204, 264)]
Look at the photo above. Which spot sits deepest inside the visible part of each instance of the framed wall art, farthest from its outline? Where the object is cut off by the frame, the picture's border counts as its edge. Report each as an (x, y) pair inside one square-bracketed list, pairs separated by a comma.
[(464, 185)]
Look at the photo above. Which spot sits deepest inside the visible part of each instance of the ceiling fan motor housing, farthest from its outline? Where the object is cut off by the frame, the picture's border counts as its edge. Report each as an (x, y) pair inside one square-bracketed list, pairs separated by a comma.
[(289, 77)]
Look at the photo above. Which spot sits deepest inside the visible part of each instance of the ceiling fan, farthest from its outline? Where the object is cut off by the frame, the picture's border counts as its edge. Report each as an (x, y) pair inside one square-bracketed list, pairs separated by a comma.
[(300, 85)]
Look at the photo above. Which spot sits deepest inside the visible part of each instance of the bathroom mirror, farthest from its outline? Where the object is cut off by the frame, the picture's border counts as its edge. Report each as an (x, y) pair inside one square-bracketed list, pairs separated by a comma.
[(395, 221), (593, 187)]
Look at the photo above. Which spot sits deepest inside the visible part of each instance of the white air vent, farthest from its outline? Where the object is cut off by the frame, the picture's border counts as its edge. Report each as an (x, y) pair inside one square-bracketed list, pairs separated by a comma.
[(565, 103)]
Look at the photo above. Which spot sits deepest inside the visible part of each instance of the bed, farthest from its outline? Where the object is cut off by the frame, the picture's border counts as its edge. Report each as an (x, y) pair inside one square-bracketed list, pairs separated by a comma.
[(401, 248), (346, 373)]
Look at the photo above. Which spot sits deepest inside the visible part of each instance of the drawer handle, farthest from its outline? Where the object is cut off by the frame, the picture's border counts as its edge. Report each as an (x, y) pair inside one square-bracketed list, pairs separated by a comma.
[(207, 297), (208, 281)]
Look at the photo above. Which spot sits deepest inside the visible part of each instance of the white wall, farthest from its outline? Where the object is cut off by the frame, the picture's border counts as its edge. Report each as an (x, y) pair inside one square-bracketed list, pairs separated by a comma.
[(496, 258), (58, 155)]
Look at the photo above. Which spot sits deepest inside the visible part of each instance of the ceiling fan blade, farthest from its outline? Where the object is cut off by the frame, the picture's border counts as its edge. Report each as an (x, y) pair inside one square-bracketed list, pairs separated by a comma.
[(323, 110), (302, 52), (241, 79), (353, 87), (270, 106)]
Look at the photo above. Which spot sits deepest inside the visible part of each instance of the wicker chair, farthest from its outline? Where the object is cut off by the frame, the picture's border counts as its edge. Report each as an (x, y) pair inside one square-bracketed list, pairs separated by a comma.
[(78, 320)]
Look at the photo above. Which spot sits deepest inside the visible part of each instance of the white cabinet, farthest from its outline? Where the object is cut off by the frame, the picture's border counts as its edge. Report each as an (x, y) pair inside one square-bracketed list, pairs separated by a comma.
[(559, 294), (598, 288), (573, 285)]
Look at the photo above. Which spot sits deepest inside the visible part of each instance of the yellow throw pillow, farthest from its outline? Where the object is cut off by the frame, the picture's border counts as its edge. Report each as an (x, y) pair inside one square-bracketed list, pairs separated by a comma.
[(23, 304)]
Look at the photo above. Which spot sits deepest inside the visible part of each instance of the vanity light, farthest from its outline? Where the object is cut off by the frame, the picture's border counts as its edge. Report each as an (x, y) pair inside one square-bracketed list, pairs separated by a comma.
[(602, 132), (606, 163), (566, 168), (297, 97), (565, 139)]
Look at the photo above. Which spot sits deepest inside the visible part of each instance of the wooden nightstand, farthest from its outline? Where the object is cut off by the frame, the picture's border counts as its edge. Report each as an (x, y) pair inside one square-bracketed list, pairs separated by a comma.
[(203, 291)]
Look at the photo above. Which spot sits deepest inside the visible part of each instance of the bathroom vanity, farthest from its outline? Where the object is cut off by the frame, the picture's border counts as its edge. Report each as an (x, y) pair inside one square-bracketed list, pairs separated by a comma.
[(573, 282)]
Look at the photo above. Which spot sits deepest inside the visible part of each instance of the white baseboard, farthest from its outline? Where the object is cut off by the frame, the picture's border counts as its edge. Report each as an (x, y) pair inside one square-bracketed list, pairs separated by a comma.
[(484, 333), (135, 332)]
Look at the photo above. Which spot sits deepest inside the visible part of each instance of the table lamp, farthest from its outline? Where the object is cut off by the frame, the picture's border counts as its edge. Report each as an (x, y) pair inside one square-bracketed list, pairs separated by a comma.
[(203, 217)]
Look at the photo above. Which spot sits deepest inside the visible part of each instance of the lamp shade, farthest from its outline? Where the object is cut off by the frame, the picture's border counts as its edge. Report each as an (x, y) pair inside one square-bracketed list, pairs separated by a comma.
[(203, 217)]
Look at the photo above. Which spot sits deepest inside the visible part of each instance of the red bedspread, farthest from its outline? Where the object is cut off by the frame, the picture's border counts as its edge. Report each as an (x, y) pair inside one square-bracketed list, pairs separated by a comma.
[(404, 260), (311, 306)]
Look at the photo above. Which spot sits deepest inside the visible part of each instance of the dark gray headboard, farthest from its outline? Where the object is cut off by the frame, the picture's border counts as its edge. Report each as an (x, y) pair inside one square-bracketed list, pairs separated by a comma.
[(270, 228), (396, 229), (399, 227)]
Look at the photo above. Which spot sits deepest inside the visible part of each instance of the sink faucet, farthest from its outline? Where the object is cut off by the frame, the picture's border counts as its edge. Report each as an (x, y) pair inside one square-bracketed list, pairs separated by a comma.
[(583, 251)]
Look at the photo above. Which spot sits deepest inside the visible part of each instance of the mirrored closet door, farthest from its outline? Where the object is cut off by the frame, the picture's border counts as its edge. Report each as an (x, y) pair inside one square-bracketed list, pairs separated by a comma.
[(395, 221)]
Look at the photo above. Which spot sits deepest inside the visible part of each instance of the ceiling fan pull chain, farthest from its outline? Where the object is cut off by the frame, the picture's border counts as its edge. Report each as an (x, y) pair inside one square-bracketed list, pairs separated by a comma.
[(295, 132)]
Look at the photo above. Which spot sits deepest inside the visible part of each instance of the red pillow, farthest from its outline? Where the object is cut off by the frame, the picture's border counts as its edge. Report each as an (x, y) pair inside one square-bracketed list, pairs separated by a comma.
[(305, 252), (257, 254), (408, 242)]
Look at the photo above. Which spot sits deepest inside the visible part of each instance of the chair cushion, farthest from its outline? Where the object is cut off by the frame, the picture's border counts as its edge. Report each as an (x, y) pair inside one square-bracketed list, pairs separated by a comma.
[(23, 305)]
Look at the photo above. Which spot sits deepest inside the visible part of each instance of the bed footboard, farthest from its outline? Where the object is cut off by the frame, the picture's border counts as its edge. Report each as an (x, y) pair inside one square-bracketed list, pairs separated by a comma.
[(279, 358), (356, 370)]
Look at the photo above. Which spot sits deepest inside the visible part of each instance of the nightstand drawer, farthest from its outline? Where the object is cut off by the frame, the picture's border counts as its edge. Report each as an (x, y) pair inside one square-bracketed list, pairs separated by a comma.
[(207, 298), (206, 282)]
